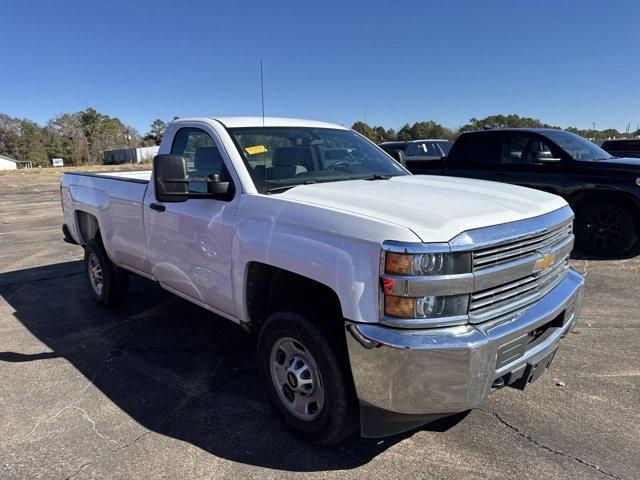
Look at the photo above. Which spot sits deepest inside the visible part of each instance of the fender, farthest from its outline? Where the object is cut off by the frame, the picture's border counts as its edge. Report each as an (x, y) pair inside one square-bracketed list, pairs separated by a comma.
[(338, 249)]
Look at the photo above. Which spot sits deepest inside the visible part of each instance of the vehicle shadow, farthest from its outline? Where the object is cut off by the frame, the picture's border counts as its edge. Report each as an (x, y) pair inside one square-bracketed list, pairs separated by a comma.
[(173, 367)]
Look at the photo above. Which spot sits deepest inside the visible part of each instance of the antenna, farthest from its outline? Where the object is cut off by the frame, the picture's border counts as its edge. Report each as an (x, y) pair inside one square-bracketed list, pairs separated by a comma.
[(262, 92), (264, 158)]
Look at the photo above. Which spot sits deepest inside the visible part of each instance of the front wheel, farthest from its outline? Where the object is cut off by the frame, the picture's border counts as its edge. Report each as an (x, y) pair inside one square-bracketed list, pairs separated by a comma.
[(605, 229), (306, 379)]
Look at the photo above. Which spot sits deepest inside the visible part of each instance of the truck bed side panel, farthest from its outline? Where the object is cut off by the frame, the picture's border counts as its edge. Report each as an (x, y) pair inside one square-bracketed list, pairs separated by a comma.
[(117, 204)]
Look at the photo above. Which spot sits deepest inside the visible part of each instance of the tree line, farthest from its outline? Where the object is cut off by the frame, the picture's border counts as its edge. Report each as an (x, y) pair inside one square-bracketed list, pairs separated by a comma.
[(81, 138), (432, 129)]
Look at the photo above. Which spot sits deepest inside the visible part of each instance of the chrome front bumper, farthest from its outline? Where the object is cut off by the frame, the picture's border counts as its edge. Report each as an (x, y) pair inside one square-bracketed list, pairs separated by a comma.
[(449, 370)]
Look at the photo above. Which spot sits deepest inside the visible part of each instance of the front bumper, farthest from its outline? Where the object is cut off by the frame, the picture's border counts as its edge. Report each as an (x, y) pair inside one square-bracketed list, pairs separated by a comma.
[(432, 372)]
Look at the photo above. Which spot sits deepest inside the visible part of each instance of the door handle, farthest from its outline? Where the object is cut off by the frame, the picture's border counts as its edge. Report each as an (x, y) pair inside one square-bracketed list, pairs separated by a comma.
[(158, 207)]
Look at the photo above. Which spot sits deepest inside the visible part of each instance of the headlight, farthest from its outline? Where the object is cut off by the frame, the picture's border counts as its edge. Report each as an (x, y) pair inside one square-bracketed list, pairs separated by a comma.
[(638, 181), (427, 263), (424, 285), (426, 307)]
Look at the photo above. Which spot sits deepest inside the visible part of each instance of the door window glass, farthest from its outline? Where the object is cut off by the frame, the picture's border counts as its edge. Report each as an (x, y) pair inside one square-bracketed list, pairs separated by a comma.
[(202, 156), (522, 149), (483, 149), (422, 149)]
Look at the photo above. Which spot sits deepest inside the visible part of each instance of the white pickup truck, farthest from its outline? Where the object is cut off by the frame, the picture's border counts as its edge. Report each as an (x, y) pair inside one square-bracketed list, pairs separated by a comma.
[(380, 299)]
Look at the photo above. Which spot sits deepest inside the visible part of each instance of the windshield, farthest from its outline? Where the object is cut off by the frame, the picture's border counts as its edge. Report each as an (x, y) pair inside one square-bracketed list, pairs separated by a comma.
[(579, 148), (282, 157)]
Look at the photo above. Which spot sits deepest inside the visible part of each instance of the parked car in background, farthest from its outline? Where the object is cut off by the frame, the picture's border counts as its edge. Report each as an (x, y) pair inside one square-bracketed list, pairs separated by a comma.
[(415, 151), (603, 190), (624, 147), (380, 299)]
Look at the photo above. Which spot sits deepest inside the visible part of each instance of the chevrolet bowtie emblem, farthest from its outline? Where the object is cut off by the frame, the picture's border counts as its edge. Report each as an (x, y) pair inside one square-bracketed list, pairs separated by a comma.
[(545, 262)]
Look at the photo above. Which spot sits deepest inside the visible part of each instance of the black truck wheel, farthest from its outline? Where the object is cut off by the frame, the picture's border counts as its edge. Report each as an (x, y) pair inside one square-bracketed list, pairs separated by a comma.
[(108, 283), (605, 229), (306, 379)]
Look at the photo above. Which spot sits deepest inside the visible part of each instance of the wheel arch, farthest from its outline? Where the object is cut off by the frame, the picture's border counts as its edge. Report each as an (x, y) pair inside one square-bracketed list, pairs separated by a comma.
[(583, 197), (269, 288), (88, 226)]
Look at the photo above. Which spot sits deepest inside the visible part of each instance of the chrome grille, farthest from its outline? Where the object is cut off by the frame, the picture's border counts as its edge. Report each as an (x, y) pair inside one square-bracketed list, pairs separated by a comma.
[(516, 295), (513, 249)]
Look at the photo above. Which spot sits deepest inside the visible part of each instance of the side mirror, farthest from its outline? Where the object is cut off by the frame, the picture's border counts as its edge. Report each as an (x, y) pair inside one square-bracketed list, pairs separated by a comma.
[(399, 156), (545, 157), (170, 178), (215, 186), (172, 182)]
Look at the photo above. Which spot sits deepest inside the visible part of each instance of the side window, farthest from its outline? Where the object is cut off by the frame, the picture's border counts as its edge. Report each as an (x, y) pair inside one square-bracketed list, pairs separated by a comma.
[(522, 149), (201, 154), (483, 149), (429, 149), (413, 150)]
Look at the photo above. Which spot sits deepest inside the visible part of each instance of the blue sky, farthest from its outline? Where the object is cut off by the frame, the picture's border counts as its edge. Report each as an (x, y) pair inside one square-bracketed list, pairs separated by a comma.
[(565, 62)]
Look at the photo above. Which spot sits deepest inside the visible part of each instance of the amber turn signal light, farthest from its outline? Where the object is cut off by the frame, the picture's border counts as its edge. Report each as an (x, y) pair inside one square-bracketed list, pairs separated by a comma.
[(400, 307)]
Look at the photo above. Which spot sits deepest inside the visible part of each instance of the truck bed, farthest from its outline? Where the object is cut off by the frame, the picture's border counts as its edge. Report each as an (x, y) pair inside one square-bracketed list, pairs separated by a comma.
[(140, 176)]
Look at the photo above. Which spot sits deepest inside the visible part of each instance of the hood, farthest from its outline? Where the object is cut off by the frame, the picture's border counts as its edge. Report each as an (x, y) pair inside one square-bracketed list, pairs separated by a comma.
[(627, 162), (435, 208)]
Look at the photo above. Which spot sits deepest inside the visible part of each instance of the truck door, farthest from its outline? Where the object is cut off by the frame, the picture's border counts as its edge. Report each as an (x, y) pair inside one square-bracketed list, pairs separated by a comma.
[(519, 166), (475, 156), (191, 241)]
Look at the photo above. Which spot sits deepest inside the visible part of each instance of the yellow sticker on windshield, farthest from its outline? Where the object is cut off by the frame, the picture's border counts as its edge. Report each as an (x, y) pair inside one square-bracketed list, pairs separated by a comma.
[(256, 149)]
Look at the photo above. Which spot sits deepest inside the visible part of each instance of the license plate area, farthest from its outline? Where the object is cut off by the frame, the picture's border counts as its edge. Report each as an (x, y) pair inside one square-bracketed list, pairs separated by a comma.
[(518, 347), (533, 371)]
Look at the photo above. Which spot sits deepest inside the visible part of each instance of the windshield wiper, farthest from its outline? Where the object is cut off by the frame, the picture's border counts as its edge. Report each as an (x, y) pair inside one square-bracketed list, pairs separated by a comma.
[(378, 176), (284, 188)]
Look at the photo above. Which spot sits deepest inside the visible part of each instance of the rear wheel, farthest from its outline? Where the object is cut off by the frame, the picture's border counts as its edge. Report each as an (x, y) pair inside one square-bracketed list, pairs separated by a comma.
[(108, 284), (605, 229), (306, 379)]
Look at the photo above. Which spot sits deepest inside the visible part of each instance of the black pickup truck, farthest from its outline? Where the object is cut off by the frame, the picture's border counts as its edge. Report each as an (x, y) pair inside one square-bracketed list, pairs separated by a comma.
[(603, 190)]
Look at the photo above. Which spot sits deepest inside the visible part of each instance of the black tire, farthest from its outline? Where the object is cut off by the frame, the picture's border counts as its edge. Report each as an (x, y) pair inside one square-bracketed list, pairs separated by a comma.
[(605, 229), (114, 280), (338, 418)]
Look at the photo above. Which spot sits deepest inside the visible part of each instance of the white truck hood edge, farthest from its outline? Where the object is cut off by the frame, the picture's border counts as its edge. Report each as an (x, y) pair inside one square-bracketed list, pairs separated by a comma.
[(435, 208)]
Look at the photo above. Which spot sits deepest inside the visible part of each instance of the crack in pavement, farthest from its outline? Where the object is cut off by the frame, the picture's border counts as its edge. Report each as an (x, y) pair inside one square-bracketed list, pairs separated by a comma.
[(167, 420), (548, 448), (73, 405), (123, 447)]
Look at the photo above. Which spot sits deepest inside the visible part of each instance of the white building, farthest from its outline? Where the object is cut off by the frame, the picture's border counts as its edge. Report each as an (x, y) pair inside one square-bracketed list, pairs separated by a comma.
[(130, 155), (7, 163)]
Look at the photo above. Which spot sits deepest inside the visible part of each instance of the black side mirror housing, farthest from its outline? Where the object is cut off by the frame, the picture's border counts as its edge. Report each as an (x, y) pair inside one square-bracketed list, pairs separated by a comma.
[(171, 181), (545, 157), (170, 178), (215, 186)]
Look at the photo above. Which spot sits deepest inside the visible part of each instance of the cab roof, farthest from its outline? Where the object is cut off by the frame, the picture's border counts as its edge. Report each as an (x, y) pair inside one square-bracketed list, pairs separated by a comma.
[(239, 122)]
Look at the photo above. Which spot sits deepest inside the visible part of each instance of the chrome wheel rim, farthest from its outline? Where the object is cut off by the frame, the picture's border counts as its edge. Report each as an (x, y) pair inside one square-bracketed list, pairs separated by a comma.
[(95, 274), (296, 378)]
